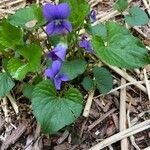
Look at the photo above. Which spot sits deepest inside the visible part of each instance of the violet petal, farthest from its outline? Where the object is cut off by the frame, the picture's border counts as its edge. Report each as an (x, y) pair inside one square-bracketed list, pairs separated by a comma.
[(67, 25), (53, 12), (57, 82), (53, 71), (48, 15), (60, 52), (64, 77)]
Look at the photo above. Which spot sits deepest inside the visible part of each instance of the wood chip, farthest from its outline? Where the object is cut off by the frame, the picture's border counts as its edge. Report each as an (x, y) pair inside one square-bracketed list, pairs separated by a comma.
[(90, 127), (116, 120), (14, 136), (2, 122), (64, 146), (63, 137)]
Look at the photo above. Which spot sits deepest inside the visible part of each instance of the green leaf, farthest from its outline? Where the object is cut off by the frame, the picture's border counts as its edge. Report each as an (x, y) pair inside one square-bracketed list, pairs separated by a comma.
[(31, 63), (6, 84), (13, 64), (2, 48), (136, 17), (30, 17), (10, 36), (79, 10), (74, 68), (88, 83), (54, 112), (98, 30), (121, 48), (27, 90), (121, 5), (103, 79)]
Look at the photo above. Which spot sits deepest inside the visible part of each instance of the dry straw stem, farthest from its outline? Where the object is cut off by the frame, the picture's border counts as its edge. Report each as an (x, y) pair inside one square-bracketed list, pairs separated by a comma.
[(13, 103), (148, 148), (129, 124), (94, 2), (88, 104), (127, 77), (6, 11), (135, 120), (140, 32), (110, 147), (9, 7), (5, 109), (121, 135), (147, 84), (124, 142), (147, 6), (11, 3), (107, 16), (127, 84)]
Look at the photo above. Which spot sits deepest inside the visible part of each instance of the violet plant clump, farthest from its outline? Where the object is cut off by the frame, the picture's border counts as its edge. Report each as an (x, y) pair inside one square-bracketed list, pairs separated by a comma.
[(57, 49)]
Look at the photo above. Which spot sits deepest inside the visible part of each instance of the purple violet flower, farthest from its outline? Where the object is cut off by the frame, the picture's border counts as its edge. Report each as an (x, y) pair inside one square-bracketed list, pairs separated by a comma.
[(54, 74), (57, 15), (86, 44), (92, 16), (59, 52)]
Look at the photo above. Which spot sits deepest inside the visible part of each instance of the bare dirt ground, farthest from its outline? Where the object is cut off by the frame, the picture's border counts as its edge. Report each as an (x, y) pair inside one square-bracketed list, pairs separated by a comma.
[(118, 121)]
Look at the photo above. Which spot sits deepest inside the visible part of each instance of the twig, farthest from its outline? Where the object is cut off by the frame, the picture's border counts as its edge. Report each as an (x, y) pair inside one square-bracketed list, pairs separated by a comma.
[(90, 127), (124, 142), (13, 103), (123, 134), (88, 104), (146, 82)]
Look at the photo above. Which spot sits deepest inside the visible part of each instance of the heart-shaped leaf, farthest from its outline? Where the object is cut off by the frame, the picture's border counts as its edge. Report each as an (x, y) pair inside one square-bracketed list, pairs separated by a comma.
[(54, 112), (136, 17), (120, 48)]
